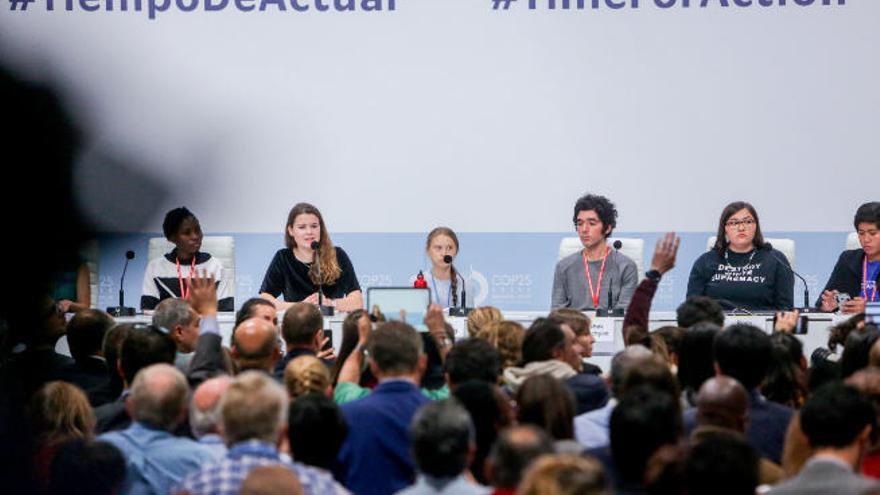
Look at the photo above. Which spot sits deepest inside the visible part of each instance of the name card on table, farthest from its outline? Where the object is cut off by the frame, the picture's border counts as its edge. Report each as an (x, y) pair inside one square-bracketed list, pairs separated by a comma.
[(603, 329)]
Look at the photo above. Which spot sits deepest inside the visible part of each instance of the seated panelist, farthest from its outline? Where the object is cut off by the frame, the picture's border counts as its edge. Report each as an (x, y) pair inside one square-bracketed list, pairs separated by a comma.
[(582, 280), (742, 271), (857, 270), (170, 275), (293, 270)]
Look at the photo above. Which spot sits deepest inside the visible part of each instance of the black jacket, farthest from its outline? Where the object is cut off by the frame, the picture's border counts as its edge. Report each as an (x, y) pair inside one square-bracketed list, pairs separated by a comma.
[(847, 274)]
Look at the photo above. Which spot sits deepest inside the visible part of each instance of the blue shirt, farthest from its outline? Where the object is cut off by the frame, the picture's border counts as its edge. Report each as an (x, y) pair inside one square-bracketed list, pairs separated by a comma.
[(870, 285), (226, 477), (155, 459), (591, 428)]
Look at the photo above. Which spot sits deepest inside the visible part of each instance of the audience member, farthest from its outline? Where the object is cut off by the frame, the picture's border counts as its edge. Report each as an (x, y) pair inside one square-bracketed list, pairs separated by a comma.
[(181, 321), (255, 346), (722, 465), (512, 455), (480, 317), (253, 416), (507, 337), (472, 359), (443, 445), (86, 467), (838, 423), (695, 359), (256, 307), (579, 323), (305, 375), (545, 402), (699, 309), (85, 336), (316, 430), (550, 349), (563, 474), (204, 413), (490, 412), (786, 381), (155, 458), (303, 332), (271, 480)]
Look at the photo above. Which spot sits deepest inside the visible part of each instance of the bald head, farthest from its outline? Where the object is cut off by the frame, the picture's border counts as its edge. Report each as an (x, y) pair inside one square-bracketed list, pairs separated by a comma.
[(723, 402), (158, 396), (255, 345), (204, 412)]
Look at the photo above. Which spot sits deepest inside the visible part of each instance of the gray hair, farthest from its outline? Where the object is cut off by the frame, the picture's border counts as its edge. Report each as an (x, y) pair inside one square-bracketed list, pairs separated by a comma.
[(159, 394), (623, 362), (205, 421), (172, 312), (254, 407)]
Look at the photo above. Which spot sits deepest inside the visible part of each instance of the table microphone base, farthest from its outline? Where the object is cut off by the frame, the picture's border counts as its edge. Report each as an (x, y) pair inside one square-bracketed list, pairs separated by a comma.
[(609, 312), (327, 310), (117, 311), (459, 311)]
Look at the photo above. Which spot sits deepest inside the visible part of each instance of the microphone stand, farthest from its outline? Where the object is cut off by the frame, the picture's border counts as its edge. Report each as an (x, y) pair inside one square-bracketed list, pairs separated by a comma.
[(121, 310), (325, 310), (462, 309)]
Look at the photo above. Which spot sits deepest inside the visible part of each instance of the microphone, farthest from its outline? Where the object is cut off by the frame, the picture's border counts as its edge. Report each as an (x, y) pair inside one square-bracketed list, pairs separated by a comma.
[(729, 305), (610, 311), (121, 310), (807, 308), (325, 310), (462, 310)]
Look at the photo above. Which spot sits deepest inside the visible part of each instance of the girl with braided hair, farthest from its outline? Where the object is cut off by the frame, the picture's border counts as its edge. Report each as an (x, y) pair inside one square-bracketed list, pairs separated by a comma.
[(443, 280)]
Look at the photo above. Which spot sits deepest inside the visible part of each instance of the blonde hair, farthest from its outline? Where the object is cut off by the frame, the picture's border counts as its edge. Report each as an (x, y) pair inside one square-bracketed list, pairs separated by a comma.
[(507, 337), (59, 412), (480, 317), (254, 407), (306, 374), (560, 474)]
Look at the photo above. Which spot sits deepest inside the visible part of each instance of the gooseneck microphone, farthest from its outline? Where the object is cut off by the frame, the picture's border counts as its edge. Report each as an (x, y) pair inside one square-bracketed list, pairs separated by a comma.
[(610, 310), (121, 310), (462, 309), (325, 310), (807, 307)]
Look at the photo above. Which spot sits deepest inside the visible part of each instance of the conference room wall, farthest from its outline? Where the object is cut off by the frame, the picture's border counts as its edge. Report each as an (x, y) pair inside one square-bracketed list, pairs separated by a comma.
[(452, 112), (514, 271)]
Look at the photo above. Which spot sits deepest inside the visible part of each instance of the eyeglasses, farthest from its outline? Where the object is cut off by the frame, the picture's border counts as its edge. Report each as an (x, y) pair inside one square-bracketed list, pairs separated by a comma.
[(748, 222)]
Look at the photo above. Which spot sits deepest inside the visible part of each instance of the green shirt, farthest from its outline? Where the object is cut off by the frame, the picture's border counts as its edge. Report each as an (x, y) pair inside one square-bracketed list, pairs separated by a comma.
[(349, 391)]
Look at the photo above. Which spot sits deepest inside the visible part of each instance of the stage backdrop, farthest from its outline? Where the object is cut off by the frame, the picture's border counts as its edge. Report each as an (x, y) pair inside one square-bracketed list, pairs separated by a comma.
[(490, 116)]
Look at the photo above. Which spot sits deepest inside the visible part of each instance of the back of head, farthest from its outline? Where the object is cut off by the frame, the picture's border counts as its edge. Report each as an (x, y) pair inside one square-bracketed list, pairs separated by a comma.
[(857, 350), (316, 430), (204, 411), (699, 309), (514, 451), (480, 317), (743, 352), (723, 465), (395, 347), (507, 337), (255, 344), (301, 322), (835, 415), (577, 321), (59, 411), (145, 345), (785, 382), (695, 358), (253, 408), (722, 402), (85, 467), (442, 436), (490, 410), (643, 421), (159, 396), (541, 340), (545, 402), (172, 312), (271, 480), (624, 362), (654, 373), (85, 332), (306, 374), (672, 337), (560, 474), (472, 359)]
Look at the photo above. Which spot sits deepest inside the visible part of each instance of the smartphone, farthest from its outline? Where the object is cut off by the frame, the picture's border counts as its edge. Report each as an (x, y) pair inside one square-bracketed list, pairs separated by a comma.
[(328, 334), (803, 323), (842, 298)]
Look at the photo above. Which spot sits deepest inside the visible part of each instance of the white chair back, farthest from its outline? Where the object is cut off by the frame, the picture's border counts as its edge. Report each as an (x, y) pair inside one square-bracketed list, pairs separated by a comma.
[(852, 241)]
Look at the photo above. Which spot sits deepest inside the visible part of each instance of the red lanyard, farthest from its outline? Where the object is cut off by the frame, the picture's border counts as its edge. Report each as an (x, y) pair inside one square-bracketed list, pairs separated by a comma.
[(865, 281), (184, 293), (595, 295)]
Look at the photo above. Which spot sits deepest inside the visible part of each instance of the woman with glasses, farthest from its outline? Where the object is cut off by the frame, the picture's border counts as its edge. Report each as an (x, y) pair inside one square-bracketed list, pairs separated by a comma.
[(742, 271)]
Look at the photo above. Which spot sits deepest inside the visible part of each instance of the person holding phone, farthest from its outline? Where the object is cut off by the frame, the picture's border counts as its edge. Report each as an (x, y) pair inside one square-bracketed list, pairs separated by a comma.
[(854, 279)]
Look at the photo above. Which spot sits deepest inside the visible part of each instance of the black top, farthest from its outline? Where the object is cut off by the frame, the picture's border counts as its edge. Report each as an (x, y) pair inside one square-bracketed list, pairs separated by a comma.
[(758, 280), (847, 274), (290, 276)]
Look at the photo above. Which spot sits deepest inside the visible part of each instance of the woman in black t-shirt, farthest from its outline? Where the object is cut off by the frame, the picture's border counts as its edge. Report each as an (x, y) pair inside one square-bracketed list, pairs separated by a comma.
[(294, 273), (742, 271)]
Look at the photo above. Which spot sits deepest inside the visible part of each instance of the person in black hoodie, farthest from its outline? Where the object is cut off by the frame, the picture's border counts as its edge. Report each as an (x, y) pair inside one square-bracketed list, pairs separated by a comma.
[(857, 270), (742, 271)]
